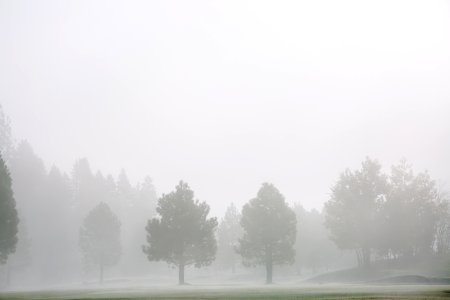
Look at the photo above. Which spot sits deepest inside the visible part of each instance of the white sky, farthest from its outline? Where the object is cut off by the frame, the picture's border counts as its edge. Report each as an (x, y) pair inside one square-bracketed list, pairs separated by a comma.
[(228, 94)]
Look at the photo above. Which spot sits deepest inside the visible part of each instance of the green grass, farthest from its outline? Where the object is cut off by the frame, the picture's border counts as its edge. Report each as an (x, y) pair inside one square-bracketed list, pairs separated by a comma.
[(243, 292)]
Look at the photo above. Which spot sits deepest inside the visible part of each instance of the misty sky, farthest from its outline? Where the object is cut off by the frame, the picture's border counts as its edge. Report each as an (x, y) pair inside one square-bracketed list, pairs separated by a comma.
[(229, 94)]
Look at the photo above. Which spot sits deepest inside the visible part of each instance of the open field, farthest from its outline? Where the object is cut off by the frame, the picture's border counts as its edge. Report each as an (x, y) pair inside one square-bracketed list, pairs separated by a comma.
[(245, 292)]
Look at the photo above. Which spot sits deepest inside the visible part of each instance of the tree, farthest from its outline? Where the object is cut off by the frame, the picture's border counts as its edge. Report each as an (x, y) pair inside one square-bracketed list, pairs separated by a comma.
[(6, 138), (9, 219), (410, 214), (100, 238), (55, 206), (20, 260), (313, 247), (228, 234), (352, 213), (182, 234), (269, 226), (142, 201), (83, 187)]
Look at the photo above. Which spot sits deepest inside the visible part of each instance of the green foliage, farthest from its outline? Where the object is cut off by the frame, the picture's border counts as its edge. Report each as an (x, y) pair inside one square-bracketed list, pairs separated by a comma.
[(269, 226), (9, 219), (182, 234), (100, 237)]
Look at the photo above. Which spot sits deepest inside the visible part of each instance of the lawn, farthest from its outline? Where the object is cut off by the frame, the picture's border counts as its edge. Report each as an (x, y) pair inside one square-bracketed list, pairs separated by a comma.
[(245, 292)]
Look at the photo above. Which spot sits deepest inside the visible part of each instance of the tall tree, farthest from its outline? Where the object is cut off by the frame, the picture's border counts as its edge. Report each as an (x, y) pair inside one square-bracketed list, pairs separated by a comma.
[(410, 214), (182, 234), (100, 238), (352, 213), (29, 178), (228, 234), (20, 260), (269, 226), (6, 138), (9, 219), (143, 207), (56, 207), (83, 188), (314, 249)]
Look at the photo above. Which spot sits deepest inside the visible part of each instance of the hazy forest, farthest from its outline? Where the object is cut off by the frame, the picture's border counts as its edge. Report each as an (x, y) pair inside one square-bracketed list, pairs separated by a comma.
[(85, 226), (224, 149)]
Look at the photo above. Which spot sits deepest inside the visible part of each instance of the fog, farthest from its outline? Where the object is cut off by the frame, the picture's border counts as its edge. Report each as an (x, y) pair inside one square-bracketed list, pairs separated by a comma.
[(116, 102)]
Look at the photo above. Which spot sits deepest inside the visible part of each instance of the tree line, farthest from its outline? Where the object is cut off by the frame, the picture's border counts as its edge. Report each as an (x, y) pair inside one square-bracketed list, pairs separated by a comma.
[(392, 219)]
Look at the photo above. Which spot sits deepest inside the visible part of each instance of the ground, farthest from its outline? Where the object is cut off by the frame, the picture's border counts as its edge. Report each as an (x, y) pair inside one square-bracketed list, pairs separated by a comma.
[(276, 291)]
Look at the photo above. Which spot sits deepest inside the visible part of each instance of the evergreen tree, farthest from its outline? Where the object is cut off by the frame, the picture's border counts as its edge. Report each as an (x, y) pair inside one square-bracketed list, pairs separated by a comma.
[(20, 260), (6, 138), (228, 234), (314, 249), (143, 206), (56, 206), (182, 234), (100, 238), (9, 219), (83, 187), (269, 226)]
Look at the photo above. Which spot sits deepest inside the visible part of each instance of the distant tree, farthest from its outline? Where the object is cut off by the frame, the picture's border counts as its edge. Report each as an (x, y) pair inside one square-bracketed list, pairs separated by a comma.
[(83, 187), (410, 214), (142, 205), (31, 191), (6, 138), (228, 234), (443, 226), (100, 238), (28, 176), (21, 258), (9, 219), (182, 234), (269, 226), (126, 194), (314, 249), (56, 207), (353, 212), (147, 199)]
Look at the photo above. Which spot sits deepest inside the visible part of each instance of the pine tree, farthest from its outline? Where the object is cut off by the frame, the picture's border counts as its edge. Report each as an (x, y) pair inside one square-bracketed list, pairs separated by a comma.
[(182, 234), (100, 238), (9, 219), (269, 226)]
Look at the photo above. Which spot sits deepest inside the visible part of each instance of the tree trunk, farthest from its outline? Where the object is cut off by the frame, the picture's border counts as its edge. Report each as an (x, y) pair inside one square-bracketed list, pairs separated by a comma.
[(269, 269), (366, 257), (181, 274), (101, 273), (8, 274), (269, 264)]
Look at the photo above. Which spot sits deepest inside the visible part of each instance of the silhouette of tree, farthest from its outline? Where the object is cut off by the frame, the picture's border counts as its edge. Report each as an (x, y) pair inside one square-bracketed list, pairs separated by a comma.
[(182, 234), (269, 226)]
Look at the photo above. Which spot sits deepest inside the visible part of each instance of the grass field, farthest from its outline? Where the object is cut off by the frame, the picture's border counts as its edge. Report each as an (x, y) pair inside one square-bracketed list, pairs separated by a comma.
[(245, 292)]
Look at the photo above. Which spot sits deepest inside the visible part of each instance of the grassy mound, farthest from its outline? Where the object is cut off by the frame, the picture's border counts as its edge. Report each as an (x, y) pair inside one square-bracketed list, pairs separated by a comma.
[(375, 276)]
